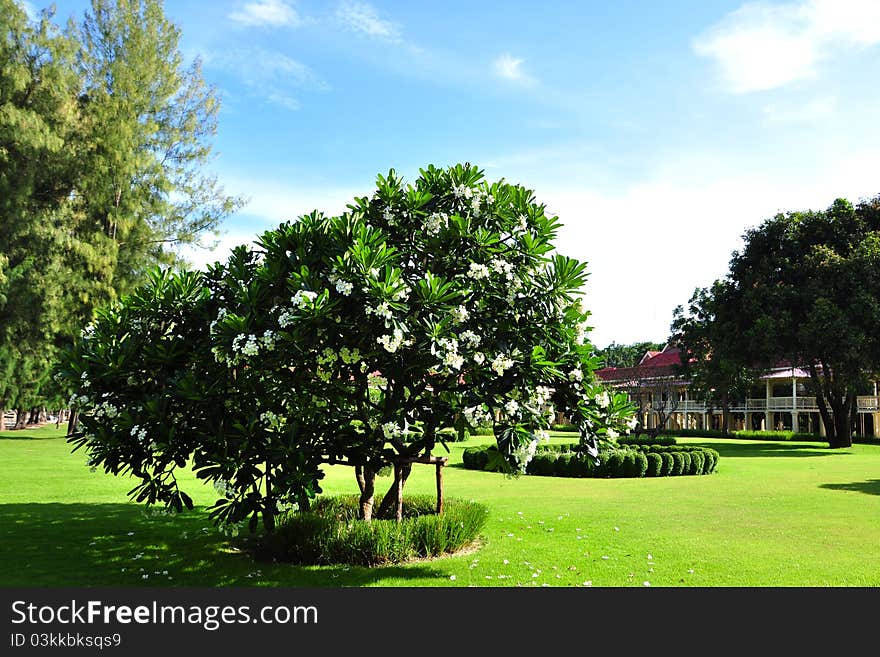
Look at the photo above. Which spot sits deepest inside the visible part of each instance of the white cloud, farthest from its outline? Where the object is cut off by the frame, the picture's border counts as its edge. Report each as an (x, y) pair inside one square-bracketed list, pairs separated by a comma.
[(508, 67), (648, 247), (363, 17), (760, 46), (267, 13), (269, 74)]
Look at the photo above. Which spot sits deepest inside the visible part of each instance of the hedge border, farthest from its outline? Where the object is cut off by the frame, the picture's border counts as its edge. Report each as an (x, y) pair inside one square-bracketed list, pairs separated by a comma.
[(629, 461)]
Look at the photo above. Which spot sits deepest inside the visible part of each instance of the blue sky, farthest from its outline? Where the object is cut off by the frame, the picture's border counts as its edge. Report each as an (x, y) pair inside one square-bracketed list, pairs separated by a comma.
[(657, 131)]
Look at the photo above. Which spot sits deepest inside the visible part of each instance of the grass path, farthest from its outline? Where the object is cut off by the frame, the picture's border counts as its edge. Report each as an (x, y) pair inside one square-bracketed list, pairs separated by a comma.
[(774, 514)]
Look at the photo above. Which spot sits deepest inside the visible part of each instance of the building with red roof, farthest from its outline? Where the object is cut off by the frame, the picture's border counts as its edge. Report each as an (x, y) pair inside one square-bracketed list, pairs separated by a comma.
[(781, 400)]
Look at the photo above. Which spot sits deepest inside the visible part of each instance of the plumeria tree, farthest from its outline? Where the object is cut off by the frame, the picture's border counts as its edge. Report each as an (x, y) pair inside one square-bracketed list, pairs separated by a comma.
[(351, 339)]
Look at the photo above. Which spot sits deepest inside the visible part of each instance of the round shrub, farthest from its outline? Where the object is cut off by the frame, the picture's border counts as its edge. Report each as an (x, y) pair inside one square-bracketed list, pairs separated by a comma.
[(634, 464), (654, 464), (697, 461), (479, 457), (562, 465), (641, 465), (667, 464), (711, 460), (609, 463), (685, 463), (542, 465), (677, 464), (581, 466)]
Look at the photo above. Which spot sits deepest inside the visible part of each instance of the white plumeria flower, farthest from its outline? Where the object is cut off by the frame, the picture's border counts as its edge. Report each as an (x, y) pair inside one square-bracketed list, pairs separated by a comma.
[(303, 297), (453, 360), (576, 374), (462, 191), (436, 222), (470, 339), (477, 271), (392, 342), (459, 315), (501, 363)]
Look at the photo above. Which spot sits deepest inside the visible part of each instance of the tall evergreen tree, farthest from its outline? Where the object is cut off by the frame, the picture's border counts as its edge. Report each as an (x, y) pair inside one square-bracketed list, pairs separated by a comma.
[(104, 135), (37, 172)]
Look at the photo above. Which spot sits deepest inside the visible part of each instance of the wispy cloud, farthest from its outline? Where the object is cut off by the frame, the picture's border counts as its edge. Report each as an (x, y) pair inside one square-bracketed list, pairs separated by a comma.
[(364, 18), (271, 75), (761, 46), (508, 67), (267, 13)]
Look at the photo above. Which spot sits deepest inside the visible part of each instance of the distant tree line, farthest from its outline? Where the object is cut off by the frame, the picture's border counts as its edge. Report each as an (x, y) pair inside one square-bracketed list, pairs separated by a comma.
[(626, 355)]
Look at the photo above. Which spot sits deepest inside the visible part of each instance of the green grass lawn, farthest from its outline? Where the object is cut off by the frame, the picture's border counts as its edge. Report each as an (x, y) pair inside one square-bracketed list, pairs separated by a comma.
[(774, 514)]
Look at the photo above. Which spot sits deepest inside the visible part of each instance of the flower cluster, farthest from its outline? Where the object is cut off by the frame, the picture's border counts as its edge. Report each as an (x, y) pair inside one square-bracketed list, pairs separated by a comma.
[(501, 363), (383, 310), (392, 342), (303, 298), (451, 359), (503, 268), (477, 271), (344, 287), (435, 222), (459, 314), (391, 430), (470, 339)]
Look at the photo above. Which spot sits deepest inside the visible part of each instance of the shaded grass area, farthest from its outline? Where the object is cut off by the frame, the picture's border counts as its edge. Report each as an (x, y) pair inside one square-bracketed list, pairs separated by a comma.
[(774, 514)]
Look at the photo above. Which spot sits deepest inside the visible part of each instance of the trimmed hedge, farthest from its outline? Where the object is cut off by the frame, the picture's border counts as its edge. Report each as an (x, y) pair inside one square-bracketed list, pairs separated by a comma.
[(644, 460)]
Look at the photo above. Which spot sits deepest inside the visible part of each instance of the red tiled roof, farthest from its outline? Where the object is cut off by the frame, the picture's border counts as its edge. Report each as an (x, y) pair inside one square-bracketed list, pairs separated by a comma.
[(653, 364)]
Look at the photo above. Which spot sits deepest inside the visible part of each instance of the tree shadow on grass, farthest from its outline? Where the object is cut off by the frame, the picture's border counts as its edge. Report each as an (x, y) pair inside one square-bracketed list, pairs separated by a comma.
[(85, 545), (869, 487), (768, 449)]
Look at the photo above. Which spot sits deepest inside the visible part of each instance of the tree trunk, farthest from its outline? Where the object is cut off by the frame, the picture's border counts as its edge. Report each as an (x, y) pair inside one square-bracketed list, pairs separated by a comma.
[(725, 414), (72, 421), (840, 406), (366, 478), (2, 418), (393, 500), (21, 418), (843, 422), (821, 396)]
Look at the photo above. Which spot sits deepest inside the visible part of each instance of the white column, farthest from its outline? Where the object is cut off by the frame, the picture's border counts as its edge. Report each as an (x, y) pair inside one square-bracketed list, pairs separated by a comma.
[(768, 416), (748, 421), (794, 413)]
